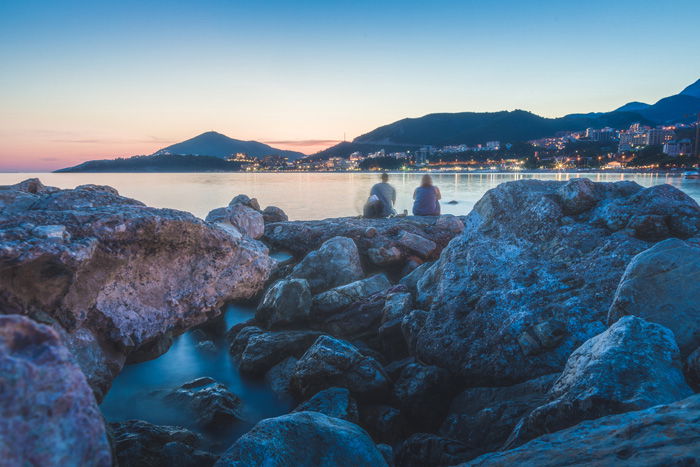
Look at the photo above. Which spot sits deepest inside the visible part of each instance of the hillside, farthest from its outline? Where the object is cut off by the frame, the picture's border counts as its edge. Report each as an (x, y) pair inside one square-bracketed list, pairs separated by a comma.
[(157, 163), (215, 144)]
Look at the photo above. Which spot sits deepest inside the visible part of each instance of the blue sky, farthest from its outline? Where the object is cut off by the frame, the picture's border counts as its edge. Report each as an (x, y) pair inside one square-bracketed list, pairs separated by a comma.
[(84, 80)]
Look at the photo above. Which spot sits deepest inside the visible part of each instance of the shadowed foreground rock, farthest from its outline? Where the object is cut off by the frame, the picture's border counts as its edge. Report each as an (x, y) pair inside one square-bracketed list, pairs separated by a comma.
[(667, 435), (48, 414), (114, 275), (303, 438)]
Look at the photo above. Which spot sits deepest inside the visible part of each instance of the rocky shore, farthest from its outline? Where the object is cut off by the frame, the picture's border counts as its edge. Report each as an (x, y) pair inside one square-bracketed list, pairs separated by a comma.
[(557, 323)]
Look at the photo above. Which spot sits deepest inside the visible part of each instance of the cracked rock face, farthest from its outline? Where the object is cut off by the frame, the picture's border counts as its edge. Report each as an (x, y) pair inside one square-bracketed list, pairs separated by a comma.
[(534, 272), (114, 275)]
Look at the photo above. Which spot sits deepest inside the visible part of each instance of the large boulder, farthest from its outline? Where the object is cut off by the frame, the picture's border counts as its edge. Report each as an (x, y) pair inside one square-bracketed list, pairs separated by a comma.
[(244, 218), (263, 350), (661, 285), (334, 402), (141, 444), (533, 274), (631, 366), (332, 362), (274, 214), (335, 263), (661, 435), (48, 414), (120, 275), (338, 298), (287, 302), (303, 438)]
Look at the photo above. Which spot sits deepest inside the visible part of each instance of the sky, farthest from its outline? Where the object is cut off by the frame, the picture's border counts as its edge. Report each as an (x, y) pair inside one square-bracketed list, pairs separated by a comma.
[(84, 80)]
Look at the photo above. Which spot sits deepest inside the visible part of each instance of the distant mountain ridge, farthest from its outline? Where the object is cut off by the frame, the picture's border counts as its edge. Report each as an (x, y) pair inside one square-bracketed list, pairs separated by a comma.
[(215, 144)]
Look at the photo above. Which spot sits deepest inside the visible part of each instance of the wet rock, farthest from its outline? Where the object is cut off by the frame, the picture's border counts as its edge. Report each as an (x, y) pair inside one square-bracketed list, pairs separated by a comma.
[(335, 263), (123, 275), (304, 438), (245, 219), (660, 285), (483, 418), (334, 402), (265, 350), (423, 449), (274, 214), (279, 377), (49, 413), (238, 338), (384, 423), (331, 362), (141, 444), (420, 245), (424, 393), (517, 266), (211, 404), (631, 366), (661, 435), (286, 302), (331, 301)]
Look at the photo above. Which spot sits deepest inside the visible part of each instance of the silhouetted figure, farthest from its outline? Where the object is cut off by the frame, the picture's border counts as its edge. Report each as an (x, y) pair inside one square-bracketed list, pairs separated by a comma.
[(381, 199), (426, 198)]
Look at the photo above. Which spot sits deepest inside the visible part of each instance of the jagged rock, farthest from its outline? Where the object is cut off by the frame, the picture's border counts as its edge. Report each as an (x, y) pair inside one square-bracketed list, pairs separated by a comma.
[(265, 350), (335, 263), (211, 404), (397, 305), (661, 435), (661, 285), (123, 274), (631, 366), (423, 449), (331, 362), (424, 393), (304, 438), (301, 237), (274, 214), (535, 256), (692, 369), (48, 414), (286, 302), (384, 423), (420, 245), (483, 418), (245, 219), (334, 402), (279, 377), (411, 279), (331, 301), (141, 444)]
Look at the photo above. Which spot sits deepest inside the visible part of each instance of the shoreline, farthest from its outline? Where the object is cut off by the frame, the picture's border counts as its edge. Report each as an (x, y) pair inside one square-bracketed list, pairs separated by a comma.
[(679, 172)]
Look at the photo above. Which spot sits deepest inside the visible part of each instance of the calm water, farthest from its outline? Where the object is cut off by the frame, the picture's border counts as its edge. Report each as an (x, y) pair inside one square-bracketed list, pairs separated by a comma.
[(312, 195)]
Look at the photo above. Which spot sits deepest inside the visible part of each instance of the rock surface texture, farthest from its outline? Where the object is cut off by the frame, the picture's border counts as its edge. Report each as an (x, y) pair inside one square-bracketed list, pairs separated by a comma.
[(115, 275), (534, 272), (48, 414)]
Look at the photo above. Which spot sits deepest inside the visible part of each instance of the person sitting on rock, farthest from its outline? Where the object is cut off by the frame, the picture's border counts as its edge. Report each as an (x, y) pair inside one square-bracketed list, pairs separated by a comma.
[(426, 198), (381, 199)]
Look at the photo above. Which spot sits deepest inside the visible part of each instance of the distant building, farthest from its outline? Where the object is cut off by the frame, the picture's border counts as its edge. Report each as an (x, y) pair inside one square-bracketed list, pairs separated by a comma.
[(493, 145), (681, 147), (601, 135), (656, 136)]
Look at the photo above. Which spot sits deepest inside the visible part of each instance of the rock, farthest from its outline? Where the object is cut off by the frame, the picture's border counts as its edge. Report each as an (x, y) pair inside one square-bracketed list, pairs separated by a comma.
[(387, 453), (123, 276), (30, 185), (450, 222), (483, 418), (384, 256), (692, 370), (520, 289), (396, 307), (238, 337), (331, 362), (336, 263), (139, 443), (211, 404), (303, 438), (91, 187), (334, 402), (49, 414), (411, 279), (245, 219), (274, 214), (384, 423), (286, 302), (427, 449), (661, 435), (279, 377), (420, 245), (153, 349), (331, 301), (424, 393), (265, 350), (661, 285), (245, 200), (51, 232), (631, 366), (411, 326), (649, 227)]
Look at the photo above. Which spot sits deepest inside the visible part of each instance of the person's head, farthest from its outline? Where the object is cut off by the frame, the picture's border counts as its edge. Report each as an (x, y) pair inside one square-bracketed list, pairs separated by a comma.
[(427, 180), (385, 177)]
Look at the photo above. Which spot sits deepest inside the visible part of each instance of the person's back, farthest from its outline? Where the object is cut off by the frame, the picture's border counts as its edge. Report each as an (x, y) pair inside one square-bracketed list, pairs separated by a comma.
[(386, 195), (426, 199)]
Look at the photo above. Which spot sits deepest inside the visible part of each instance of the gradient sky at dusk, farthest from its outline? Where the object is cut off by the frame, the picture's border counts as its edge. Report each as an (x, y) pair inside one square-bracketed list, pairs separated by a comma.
[(98, 79)]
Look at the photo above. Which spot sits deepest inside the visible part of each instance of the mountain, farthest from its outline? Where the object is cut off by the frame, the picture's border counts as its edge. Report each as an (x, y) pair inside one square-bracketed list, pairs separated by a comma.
[(693, 90), (157, 163), (681, 107), (215, 144), (632, 107)]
